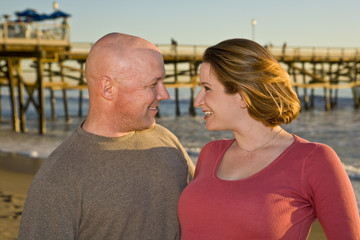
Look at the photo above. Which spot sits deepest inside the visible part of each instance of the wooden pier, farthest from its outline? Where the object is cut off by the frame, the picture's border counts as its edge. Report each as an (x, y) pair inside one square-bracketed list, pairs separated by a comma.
[(41, 44), (59, 66), (330, 69)]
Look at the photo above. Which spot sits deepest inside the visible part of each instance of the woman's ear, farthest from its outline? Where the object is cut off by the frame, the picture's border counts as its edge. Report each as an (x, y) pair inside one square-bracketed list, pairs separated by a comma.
[(106, 88), (242, 101)]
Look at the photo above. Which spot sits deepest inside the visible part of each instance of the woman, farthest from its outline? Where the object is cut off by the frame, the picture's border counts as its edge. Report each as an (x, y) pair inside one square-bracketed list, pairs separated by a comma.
[(265, 183)]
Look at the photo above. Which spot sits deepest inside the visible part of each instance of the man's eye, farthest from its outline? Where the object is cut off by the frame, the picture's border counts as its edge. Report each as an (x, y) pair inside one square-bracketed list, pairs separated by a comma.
[(207, 88)]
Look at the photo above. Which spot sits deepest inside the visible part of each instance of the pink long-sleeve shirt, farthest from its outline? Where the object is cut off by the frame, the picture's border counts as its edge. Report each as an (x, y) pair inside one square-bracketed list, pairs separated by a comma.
[(307, 181)]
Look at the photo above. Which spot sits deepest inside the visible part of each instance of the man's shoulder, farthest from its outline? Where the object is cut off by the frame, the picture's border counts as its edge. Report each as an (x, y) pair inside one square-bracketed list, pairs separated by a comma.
[(163, 130), (159, 127), (67, 153), (62, 164), (164, 136), (65, 146)]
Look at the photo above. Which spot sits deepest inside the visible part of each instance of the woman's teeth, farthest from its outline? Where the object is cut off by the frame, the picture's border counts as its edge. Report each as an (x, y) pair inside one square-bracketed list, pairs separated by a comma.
[(152, 108), (208, 113)]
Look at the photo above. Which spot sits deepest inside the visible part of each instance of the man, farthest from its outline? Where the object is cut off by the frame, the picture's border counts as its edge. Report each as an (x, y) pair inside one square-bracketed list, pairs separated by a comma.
[(119, 175)]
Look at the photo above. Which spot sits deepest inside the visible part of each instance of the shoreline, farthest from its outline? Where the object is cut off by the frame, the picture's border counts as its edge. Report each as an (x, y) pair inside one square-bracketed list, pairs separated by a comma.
[(20, 163)]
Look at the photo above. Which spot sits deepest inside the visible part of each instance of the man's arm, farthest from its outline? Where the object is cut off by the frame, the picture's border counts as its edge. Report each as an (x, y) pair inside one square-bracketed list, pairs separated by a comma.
[(49, 213)]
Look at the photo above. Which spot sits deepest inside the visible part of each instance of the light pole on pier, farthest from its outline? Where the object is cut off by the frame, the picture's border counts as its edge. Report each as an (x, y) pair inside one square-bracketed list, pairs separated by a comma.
[(55, 6), (253, 23)]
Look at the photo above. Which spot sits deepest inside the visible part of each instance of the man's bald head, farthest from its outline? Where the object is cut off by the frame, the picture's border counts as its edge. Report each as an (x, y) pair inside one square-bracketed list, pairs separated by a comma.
[(115, 55), (125, 77)]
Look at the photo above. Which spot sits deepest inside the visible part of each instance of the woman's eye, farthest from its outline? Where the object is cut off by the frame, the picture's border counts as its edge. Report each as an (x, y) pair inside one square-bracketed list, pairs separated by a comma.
[(207, 88)]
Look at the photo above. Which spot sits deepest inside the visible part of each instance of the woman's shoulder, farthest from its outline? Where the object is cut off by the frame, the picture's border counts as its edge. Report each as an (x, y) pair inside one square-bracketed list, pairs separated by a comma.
[(316, 151), (311, 145)]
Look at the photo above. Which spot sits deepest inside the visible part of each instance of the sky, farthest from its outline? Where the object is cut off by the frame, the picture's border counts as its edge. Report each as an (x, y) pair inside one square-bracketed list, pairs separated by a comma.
[(308, 23)]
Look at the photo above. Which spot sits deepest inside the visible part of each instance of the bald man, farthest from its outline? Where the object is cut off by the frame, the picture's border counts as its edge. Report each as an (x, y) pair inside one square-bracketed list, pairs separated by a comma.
[(119, 175)]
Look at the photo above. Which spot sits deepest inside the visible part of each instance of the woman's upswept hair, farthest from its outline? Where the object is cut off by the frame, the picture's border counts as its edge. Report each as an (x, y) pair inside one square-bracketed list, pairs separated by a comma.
[(245, 67)]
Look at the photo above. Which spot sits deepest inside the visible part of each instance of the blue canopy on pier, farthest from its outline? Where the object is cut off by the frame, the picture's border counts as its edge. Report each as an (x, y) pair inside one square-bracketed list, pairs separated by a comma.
[(27, 13), (41, 17), (58, 14), (33, 15)]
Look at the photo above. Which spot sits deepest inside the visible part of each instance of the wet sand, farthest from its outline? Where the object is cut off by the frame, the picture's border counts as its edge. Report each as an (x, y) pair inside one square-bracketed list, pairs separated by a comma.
[(13, 189)]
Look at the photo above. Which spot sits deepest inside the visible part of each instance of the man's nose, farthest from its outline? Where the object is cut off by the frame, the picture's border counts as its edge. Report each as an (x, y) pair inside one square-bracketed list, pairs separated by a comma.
[(163, 94)]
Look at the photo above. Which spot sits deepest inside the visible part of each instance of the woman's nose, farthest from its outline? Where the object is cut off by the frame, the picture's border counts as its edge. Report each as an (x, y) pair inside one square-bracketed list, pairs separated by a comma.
[(199, 99)]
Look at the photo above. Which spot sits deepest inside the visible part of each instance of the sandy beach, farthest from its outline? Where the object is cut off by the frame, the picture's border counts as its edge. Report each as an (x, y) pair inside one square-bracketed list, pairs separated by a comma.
[(13, 188)]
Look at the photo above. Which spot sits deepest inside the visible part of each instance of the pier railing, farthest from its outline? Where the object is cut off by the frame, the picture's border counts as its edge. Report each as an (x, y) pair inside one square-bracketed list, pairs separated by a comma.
[(35, 34), (279, 52), (319, 53)]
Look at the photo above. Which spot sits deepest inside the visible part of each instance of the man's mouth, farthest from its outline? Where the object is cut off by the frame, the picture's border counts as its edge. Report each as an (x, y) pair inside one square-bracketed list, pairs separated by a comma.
[(152, 108)]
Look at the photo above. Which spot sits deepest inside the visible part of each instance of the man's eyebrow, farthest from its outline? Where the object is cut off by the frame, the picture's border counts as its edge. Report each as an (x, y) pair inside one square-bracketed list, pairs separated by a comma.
[(154, 80), (161, 78)]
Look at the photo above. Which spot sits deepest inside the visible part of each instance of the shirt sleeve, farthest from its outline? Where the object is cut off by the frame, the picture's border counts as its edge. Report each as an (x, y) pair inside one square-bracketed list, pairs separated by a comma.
[(49, 213), (202, 155), (191, 169), (331, 193)]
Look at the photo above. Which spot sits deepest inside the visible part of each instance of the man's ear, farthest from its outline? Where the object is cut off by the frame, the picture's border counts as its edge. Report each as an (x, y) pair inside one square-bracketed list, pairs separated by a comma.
[(106, 88)]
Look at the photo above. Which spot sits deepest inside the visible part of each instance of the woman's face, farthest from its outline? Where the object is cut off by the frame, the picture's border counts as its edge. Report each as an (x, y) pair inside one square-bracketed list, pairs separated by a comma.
[(222, 110)]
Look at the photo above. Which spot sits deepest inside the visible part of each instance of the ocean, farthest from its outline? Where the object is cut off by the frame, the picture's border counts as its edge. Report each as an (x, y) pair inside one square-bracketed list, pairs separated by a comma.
[(339, 128)]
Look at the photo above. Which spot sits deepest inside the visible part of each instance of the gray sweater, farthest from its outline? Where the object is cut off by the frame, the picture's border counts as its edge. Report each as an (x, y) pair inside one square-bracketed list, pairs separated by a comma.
[(93, 187)]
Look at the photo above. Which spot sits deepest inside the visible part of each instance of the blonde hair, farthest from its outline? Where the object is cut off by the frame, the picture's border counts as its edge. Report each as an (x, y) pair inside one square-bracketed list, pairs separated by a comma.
[(245, 67)]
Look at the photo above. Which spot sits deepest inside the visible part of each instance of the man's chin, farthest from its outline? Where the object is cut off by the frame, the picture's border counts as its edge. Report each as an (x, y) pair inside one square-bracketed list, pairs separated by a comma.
[(150, 124)]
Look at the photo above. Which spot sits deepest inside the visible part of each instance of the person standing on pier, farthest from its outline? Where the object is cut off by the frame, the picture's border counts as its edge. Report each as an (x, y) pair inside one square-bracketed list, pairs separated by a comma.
[(119, 175), (265, 183), (65, 28)]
